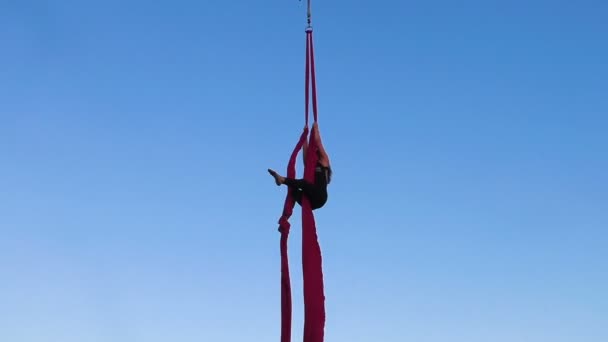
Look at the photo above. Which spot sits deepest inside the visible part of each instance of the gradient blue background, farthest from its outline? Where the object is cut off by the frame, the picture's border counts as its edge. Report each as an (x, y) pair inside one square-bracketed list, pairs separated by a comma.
[(469, 143)]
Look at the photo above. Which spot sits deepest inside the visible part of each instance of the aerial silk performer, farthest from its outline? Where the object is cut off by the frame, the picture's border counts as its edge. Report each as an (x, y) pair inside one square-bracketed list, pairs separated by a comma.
[(316, 192), (310, 192)]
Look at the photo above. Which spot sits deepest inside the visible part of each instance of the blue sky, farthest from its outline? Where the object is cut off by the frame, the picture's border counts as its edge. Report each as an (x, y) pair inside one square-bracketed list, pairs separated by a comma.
[(468, 140)]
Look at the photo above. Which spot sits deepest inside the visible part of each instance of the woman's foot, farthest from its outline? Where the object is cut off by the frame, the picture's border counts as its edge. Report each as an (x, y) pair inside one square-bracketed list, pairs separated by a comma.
[(277, 178)]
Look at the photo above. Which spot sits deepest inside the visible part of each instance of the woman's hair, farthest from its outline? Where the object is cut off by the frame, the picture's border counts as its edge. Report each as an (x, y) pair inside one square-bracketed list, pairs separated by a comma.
[(329, 171)]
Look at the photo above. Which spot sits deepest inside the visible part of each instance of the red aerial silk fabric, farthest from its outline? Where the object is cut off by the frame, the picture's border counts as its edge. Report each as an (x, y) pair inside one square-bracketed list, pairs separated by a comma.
[(314, 297)]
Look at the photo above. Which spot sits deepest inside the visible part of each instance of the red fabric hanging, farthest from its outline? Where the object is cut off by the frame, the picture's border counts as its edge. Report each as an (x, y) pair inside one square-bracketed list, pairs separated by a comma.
[(314, 298)]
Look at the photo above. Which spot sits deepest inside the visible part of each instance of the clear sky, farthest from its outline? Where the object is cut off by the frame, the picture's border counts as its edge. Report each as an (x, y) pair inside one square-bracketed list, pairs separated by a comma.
[(468, 140)]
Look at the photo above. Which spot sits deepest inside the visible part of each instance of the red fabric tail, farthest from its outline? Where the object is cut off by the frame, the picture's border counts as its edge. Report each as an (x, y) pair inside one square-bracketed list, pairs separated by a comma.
[(284, 227), (314, 297)]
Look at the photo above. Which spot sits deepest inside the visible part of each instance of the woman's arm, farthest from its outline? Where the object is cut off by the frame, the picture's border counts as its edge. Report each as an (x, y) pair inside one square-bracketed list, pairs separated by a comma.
[(304, 150), (323, 158)]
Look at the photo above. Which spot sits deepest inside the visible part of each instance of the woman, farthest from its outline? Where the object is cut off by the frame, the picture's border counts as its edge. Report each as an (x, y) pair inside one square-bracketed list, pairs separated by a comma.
[(315, 192)]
